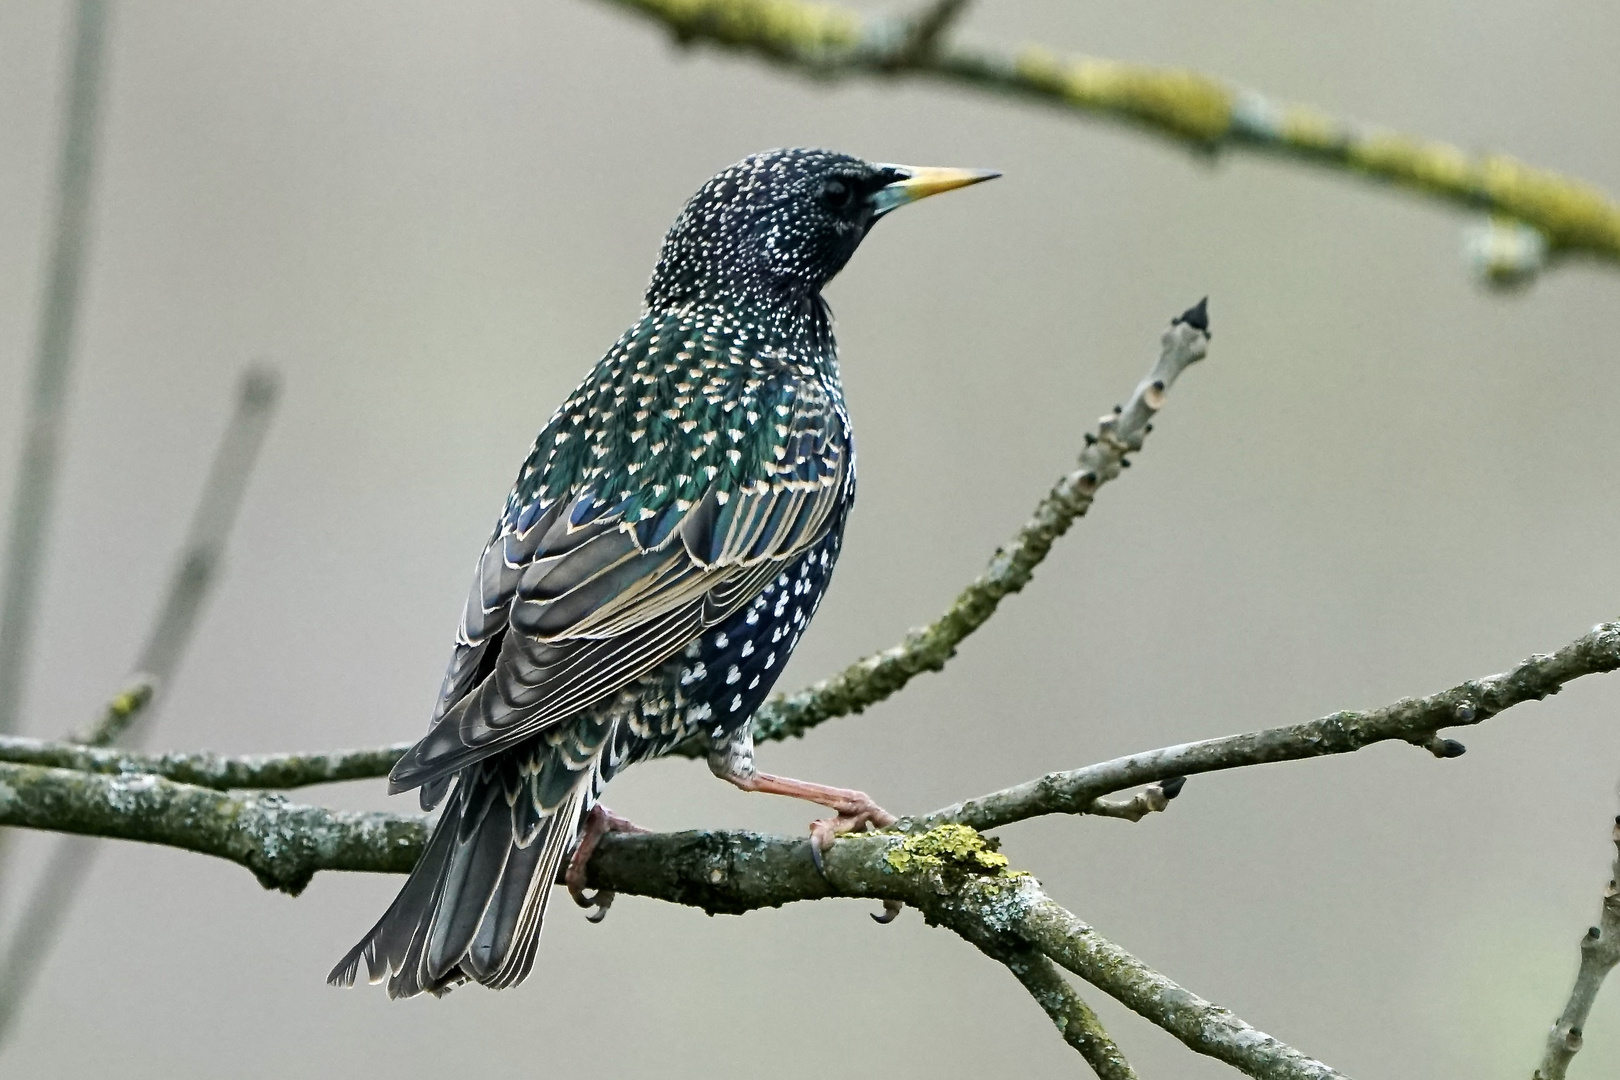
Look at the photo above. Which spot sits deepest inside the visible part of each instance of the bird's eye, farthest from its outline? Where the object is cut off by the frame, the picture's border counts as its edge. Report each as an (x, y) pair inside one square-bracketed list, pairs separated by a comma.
[(837, 194)]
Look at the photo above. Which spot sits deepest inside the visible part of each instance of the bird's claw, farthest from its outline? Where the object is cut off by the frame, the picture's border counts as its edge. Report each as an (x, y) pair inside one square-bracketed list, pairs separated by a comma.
[(862, 816), (601, 900), (598, 823), (891, 912)]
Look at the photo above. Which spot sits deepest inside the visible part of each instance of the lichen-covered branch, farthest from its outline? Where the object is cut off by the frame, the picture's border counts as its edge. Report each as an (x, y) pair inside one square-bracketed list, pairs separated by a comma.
[(830, 41), (1202, 1025), (1600, 953), (869, 681), (283, 843), (952, 874), (1076, 1022), (1415, 720)]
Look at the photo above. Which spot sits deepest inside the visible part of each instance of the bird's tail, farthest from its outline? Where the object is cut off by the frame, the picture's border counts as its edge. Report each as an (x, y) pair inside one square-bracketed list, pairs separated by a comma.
[(472, 907)]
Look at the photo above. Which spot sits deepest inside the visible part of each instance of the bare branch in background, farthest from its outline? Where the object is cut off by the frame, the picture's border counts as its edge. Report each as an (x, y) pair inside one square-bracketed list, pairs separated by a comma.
[(1600, 952), (198, 565), (48, 905), (35, 493), (827, 41)]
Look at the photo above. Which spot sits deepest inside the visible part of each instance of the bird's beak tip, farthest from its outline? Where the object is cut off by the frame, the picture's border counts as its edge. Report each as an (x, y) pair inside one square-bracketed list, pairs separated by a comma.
[(919, 182)]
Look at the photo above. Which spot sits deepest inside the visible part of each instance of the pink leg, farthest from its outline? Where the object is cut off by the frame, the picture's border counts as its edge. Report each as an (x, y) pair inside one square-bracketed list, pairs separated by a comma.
[(599, 822), (855, 809)]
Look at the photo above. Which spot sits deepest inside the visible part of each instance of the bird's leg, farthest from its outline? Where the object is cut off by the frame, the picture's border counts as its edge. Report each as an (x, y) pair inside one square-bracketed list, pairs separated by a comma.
[(732, 760), (599, 822), (855, 809)]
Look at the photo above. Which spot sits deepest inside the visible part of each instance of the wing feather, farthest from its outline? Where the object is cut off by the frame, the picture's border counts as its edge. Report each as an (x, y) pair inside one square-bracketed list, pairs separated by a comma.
[(573, 599)]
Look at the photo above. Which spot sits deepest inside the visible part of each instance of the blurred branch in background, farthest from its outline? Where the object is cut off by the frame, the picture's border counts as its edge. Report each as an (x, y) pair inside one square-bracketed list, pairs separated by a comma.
[(1534, 215), (35, 492), (1600, 952), (47, 907)]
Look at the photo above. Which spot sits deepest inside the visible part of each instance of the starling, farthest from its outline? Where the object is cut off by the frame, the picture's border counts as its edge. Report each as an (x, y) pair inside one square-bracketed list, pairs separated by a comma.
[(666, 544)]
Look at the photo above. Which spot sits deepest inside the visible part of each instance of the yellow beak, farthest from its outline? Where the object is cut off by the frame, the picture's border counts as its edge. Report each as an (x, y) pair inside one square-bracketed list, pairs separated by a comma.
[(919, 182)]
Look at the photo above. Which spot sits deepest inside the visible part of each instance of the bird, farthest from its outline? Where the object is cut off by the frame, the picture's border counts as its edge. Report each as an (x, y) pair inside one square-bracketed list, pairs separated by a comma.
[(668, 539)]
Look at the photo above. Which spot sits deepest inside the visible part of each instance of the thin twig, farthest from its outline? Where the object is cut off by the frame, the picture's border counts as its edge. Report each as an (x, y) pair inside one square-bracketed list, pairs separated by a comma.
[(47, 907), (1413, 720), (53, 356), (204, 769), (869, 681), (198, 564), (1196, 110), (35, 930), (1600, 952)]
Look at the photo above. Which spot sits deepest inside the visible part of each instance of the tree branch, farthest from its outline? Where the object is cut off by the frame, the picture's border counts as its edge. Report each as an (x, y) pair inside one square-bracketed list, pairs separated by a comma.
[(828, 41), (53, 356), (1415, 720), (1600, 953), (210, 770), (200, 555), (869, 681), (47, 907), (1074, 1019), (951, 874)]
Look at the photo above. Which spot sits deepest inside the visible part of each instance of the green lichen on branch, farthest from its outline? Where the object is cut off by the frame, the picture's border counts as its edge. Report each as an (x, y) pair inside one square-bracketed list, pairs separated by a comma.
[(1206, 113), (950, 851)]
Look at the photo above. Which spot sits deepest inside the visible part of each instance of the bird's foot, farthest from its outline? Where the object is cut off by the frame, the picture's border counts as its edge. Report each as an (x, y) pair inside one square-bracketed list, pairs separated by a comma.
[(598, 823), (857, 813)]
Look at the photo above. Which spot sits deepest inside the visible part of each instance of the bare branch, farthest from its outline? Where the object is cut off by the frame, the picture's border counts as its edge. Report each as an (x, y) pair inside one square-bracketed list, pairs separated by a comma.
[(209, 770), (53, 356), (1413, 720), (200, 555), (1600, 952), (1153, 799), (47, 908), (869, 681), (1207, 114)]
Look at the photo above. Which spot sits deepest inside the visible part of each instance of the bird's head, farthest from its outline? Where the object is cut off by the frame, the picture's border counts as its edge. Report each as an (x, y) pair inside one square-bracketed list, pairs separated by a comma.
[(778, 226)]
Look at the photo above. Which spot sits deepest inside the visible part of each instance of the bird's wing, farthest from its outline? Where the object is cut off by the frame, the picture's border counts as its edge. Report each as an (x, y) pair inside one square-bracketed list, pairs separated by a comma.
[(574, 600)]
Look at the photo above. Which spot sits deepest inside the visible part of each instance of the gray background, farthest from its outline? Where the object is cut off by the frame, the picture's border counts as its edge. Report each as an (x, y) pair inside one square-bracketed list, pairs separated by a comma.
[(434, 217)]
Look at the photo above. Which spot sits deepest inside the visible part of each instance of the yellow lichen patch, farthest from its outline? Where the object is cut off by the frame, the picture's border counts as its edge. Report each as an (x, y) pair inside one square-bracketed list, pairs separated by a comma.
[(949, 848), (779, 25), (1309, 129), (1191, 105)]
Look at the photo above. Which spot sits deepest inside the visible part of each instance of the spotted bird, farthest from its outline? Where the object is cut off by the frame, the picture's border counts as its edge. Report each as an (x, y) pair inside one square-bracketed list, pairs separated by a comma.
[(666, 544)]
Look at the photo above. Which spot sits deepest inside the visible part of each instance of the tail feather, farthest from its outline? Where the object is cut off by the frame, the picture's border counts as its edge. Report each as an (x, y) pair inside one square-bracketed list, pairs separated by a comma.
[(473, 907)]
